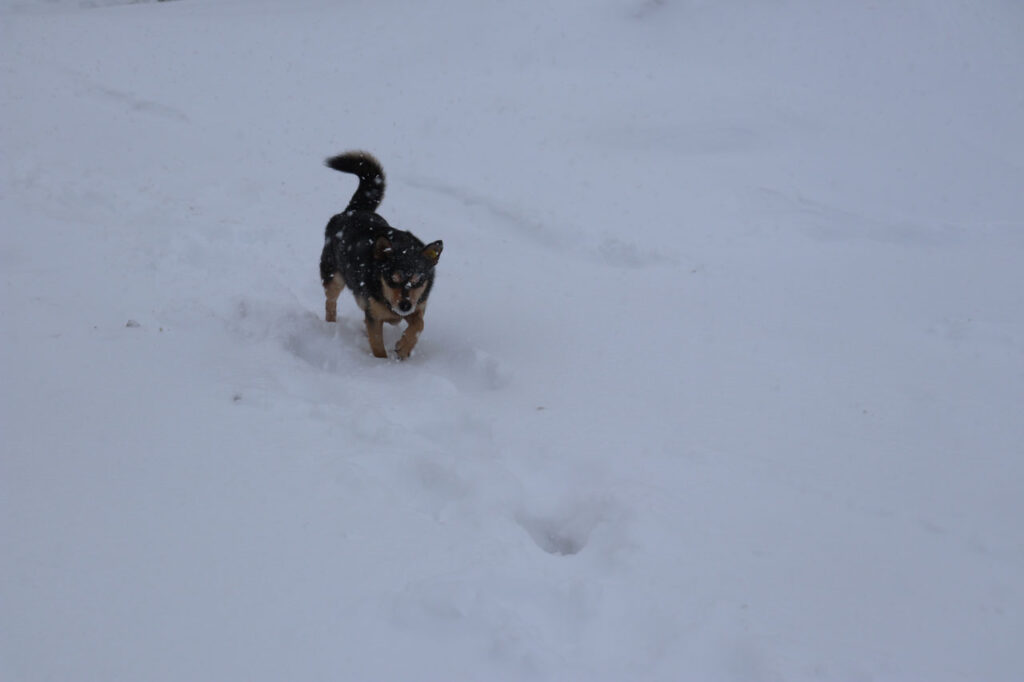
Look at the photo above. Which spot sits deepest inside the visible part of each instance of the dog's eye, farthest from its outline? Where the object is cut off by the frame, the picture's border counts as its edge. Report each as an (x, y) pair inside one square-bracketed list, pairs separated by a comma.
[(397, 278), (415, 279)]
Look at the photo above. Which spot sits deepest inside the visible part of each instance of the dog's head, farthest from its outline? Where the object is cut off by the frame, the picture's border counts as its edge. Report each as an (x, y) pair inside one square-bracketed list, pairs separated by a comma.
[(406, 272)]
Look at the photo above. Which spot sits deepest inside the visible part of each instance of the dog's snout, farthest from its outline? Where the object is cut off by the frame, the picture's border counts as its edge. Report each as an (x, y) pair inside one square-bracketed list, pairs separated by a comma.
[(405, 306)]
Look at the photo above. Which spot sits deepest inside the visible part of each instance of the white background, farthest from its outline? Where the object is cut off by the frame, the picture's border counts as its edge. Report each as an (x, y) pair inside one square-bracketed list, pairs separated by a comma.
[(722, 376)]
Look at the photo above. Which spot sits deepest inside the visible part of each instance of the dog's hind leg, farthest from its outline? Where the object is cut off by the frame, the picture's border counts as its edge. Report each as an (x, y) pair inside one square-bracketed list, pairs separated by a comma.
[(333, 289)]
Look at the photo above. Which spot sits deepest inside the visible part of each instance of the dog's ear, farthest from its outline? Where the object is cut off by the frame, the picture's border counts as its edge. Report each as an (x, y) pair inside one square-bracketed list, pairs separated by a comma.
[(382, 249), (432, 251)]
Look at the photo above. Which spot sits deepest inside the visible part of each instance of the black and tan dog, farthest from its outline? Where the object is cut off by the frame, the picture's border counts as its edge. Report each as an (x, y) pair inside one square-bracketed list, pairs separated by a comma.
[(389, 271)]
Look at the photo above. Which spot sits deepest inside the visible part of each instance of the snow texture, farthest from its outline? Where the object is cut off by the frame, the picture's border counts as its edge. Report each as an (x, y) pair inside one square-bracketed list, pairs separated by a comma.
[(722, 376)]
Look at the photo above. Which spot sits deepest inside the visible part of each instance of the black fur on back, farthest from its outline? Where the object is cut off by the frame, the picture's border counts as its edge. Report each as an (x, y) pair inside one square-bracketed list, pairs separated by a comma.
[(351, 236)]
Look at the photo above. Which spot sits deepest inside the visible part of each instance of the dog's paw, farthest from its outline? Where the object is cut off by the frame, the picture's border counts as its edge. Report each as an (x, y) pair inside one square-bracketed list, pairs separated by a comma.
[(404, 347)]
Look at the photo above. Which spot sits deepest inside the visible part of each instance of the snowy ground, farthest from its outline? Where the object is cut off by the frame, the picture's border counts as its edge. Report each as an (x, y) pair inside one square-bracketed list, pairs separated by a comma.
[(722, 378)]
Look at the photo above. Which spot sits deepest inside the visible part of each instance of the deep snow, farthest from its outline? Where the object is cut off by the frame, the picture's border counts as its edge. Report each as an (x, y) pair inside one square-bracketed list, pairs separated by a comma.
[(721, 379)]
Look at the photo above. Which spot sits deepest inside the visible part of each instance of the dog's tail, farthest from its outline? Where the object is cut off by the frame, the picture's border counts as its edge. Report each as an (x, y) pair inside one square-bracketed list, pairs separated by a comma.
[(371, 178)]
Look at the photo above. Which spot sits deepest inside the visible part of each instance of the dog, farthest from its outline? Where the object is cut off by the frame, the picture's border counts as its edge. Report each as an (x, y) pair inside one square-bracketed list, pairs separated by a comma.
[(389, 271)]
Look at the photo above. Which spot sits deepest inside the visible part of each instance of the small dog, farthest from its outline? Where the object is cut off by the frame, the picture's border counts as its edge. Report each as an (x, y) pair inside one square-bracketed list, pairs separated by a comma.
[(389, 271)]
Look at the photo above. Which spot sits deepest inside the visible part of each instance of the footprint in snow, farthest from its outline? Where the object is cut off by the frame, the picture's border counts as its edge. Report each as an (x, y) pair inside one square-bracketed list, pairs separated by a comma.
[(567, 531)]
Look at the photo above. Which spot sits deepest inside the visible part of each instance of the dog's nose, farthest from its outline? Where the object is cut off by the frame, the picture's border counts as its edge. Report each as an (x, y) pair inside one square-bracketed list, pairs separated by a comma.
[(405, 306)]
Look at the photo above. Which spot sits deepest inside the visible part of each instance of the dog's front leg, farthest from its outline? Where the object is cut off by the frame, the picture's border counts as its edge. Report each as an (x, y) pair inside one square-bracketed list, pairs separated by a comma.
[(410, 336), (375, 330)]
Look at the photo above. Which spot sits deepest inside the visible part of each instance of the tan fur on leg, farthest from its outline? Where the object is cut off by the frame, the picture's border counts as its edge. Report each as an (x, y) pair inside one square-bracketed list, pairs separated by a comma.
[(375, 331), (333, 289), (411, 335)]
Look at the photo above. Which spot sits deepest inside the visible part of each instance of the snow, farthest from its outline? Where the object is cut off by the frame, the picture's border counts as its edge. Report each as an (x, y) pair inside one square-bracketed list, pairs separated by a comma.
[(721, 378)]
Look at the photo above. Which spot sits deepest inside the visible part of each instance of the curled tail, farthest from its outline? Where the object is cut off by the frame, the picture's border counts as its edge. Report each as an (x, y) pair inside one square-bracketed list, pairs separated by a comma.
[(370, 192)]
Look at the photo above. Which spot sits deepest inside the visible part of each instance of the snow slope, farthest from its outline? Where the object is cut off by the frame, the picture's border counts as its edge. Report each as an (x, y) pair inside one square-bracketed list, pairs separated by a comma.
[(722, 377)]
